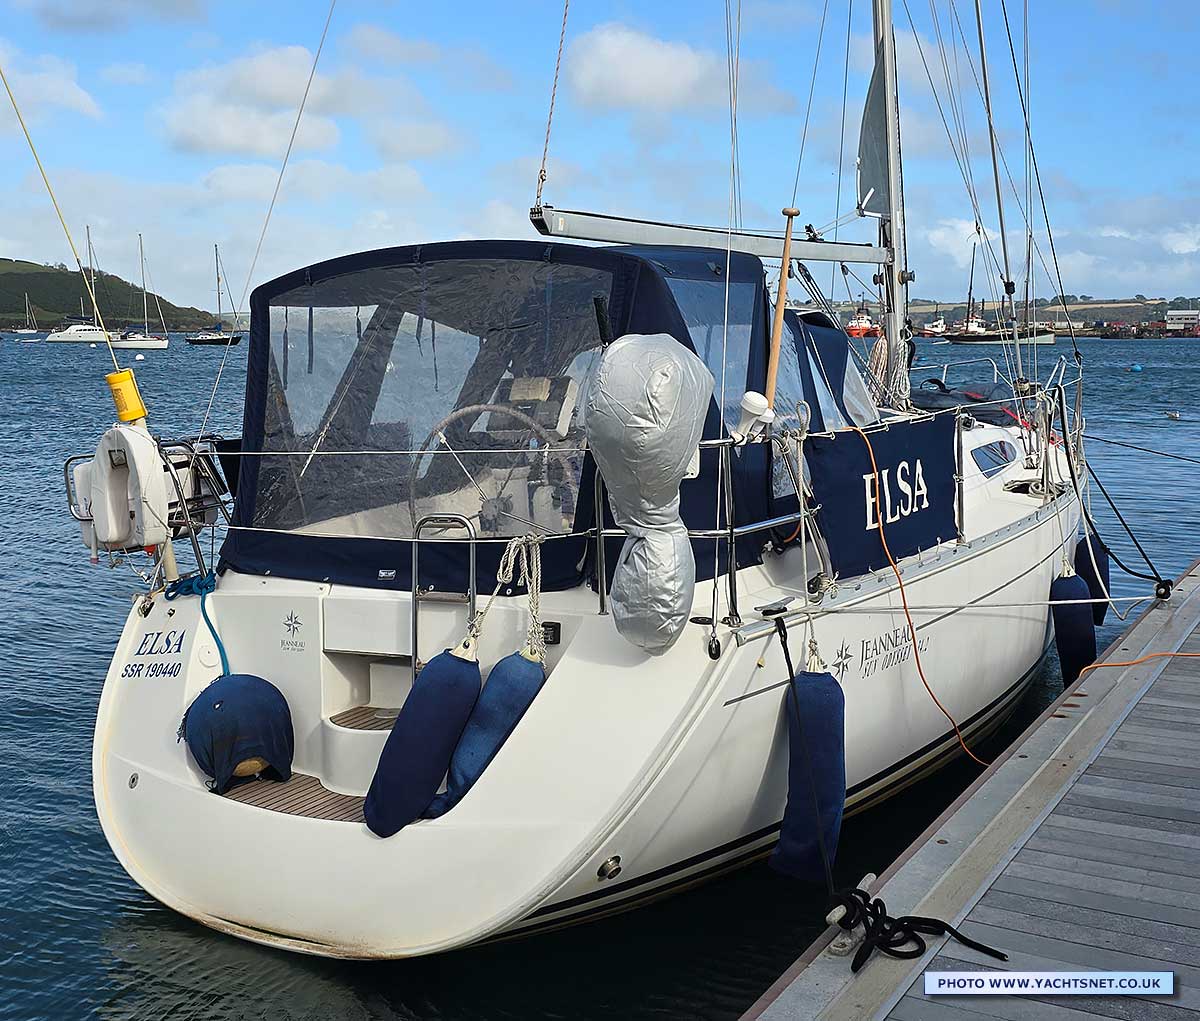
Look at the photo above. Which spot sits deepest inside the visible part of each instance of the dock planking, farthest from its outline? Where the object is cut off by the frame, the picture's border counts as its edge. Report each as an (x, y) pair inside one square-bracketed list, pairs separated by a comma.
[(1091, 861)]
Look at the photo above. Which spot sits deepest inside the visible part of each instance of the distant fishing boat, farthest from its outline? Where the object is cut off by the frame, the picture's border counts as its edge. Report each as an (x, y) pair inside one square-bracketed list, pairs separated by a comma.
[(986, 336), (861, 324), (216, 334), (936, 327), (144, 340)]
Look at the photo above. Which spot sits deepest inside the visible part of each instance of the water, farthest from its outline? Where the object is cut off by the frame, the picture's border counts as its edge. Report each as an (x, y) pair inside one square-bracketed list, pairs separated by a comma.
[(79, 939)]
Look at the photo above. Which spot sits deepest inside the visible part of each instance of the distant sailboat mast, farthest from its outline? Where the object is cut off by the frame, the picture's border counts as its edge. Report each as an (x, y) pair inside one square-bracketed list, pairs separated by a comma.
[(91, 276), (145, 309), (217, 263)]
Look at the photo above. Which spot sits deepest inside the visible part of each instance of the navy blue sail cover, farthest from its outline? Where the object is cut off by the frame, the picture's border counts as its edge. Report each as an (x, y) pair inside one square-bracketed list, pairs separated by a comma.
[(449, 378), (916, 501)]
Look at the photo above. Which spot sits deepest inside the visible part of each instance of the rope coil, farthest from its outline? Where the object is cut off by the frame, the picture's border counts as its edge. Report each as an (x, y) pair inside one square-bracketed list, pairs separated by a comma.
[(522, 562)]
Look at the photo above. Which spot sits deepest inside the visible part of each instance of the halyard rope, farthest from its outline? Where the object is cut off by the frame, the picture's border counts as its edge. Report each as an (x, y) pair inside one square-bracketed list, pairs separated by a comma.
[(562, 35)]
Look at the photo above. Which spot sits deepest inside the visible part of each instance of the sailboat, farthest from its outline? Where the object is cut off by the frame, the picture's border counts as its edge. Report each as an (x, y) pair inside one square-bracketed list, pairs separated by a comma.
[(82, 332), (31, 327), (217, 334), (144, 340), (433, 445)]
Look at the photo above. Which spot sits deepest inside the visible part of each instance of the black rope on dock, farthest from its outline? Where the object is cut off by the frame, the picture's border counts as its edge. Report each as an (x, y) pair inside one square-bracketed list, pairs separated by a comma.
[(901, 937), (1144, 450)]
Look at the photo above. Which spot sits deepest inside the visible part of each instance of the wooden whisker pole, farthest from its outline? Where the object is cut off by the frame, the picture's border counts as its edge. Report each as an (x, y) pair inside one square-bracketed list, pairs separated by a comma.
[(780, 302)]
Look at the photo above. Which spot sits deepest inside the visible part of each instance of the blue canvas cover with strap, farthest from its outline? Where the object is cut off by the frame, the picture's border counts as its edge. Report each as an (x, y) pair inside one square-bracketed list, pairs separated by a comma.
[(916, 499)]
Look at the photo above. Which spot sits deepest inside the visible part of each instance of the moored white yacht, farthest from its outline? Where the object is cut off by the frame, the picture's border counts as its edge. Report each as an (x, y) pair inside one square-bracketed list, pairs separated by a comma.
[(77, 333), (144, 340), (437, 416)]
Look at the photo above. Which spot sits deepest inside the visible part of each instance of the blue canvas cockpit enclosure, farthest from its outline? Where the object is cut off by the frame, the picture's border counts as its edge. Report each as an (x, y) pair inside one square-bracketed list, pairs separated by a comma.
[(449, 378)]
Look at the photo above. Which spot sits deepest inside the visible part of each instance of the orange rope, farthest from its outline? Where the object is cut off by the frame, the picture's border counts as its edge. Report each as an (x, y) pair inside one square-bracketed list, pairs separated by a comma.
[(1143, 659), (904, 601)]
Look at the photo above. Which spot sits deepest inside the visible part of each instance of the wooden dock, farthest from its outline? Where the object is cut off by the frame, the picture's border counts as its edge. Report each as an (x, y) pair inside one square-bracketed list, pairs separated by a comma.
[(1078, 849)]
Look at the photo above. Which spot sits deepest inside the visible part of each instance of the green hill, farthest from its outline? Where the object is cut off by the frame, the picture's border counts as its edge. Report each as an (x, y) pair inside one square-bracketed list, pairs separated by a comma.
[(54, 292)]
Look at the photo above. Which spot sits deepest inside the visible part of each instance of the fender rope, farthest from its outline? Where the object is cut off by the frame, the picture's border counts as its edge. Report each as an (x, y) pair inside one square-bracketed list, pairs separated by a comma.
[(200, 585)]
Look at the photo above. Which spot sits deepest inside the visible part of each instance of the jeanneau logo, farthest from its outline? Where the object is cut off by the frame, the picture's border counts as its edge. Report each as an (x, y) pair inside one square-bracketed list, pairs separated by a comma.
[(292, 624)]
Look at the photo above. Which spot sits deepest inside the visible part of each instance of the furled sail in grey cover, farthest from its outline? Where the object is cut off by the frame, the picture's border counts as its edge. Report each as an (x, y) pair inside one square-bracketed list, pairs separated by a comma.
[(872, 148), (645, 415)]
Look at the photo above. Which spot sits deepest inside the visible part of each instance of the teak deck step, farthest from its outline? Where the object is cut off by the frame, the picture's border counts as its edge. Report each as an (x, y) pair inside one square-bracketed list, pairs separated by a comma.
[(302, 795), (365, 717)]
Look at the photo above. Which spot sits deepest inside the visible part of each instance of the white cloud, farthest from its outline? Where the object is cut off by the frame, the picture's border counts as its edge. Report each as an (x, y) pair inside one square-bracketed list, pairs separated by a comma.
[(42, 84), (377, 43), (954, 238), (615, 67), (131, 73), (204, 124), (397, 139), (104, 15), (248, 105), (1182, 240)]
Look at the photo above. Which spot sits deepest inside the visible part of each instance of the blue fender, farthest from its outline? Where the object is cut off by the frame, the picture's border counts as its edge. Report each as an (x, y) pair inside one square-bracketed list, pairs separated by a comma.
[(511, 688), (417, 752), (1097, 583), (816, 776), (1074, 629)]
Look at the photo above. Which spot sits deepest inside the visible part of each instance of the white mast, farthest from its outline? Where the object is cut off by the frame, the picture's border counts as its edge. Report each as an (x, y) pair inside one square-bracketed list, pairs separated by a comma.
[(895, 275), (145, 312)]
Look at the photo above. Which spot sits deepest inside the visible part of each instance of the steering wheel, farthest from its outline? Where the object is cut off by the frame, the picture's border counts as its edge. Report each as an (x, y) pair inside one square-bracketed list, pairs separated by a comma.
[(474, 411)]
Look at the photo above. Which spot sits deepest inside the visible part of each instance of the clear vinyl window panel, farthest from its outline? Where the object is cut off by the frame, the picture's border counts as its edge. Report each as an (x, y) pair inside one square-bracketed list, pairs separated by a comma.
[(993, 458), (449, 387), (726, 351)]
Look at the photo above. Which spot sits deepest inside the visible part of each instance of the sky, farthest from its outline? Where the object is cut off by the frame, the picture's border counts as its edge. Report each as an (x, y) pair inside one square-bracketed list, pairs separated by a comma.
[(426, 122)]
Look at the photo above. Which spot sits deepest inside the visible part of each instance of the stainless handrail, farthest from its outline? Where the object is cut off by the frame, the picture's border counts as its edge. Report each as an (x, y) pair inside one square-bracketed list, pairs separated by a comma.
[(946, 366), (432, 521)]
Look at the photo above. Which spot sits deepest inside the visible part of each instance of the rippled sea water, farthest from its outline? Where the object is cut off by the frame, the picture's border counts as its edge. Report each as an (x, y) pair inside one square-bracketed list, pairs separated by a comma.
[(79, 939)]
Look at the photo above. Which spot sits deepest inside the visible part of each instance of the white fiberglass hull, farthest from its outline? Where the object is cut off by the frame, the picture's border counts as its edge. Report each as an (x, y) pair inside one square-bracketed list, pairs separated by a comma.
[(141, 343), (676, 764)]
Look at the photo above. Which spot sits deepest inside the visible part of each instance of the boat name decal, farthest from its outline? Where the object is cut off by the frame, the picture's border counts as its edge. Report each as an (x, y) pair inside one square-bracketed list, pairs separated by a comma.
[(914, 494), (888, 649), (157, 644)]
